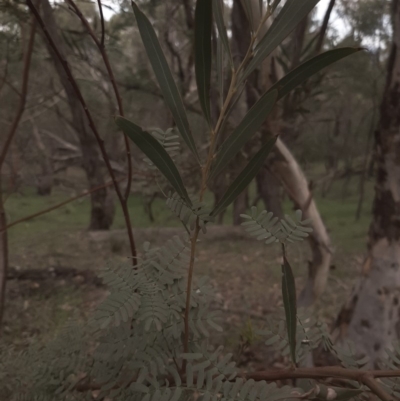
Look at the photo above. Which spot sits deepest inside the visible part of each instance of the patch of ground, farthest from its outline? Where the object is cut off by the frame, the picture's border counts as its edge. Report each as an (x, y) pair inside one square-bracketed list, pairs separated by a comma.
[(59, 281)]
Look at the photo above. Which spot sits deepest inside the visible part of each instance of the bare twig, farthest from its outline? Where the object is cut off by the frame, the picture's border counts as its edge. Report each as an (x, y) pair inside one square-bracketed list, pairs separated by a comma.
[(92, 125), (58, 205), (110, 73)]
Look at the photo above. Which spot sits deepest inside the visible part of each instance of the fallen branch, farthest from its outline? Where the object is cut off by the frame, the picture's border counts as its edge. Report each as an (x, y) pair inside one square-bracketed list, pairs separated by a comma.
[(368, 378), (365, 377), (88, 276)]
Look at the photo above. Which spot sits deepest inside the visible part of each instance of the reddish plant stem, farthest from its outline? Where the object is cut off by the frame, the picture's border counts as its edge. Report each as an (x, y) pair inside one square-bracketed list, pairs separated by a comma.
[(106, 60), (189, 291), (92, 125)]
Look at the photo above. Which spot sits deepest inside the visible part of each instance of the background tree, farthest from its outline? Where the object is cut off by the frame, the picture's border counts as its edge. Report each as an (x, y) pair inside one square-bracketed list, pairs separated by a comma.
[(370, 318)]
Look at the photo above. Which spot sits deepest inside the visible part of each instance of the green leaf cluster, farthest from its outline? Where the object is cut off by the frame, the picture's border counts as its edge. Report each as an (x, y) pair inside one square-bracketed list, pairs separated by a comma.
[(265, 227)]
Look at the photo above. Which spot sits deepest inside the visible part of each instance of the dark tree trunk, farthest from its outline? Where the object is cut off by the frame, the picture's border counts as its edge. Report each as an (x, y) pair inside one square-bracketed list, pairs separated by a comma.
[(268, 188), (240, 206), (44, 185), (102, 213), (44, 182), (371, 318)]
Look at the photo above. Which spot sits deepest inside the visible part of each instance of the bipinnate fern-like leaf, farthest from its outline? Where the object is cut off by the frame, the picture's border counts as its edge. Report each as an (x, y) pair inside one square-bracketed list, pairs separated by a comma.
[(294, 230), (310, 334), (188, 214), (169, 141), (346, 353), (265, 227)]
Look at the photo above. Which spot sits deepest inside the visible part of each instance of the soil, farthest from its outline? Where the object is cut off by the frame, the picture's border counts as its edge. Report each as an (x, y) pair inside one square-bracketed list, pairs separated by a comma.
[(245, 274)]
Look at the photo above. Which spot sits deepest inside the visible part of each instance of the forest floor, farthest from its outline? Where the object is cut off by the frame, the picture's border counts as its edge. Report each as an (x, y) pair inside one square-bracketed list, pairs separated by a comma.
[(245, 273)]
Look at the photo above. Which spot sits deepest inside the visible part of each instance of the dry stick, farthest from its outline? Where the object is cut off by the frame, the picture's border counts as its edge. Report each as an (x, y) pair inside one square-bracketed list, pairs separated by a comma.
[(110, 73), (58, 205), (92, 125)]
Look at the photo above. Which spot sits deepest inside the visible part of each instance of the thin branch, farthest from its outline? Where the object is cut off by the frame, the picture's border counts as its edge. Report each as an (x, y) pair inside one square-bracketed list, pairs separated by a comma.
[(374, 386), (92, 125), (23, 94), (103, 31), (58, 205), (324, 27), (110, 72)]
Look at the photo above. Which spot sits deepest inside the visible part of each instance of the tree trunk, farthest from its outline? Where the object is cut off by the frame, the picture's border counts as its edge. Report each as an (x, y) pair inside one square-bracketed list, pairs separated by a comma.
[(371, 319), (268, 187), (102, 213), (45, 180), (286, 168), (240, 206)]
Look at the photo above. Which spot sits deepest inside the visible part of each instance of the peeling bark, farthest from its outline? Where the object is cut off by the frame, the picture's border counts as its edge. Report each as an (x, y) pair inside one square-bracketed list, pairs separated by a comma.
[(371, 318)]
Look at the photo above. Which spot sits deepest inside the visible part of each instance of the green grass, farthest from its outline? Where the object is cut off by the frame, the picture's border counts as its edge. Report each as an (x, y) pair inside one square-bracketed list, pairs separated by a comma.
[(348, 235)]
